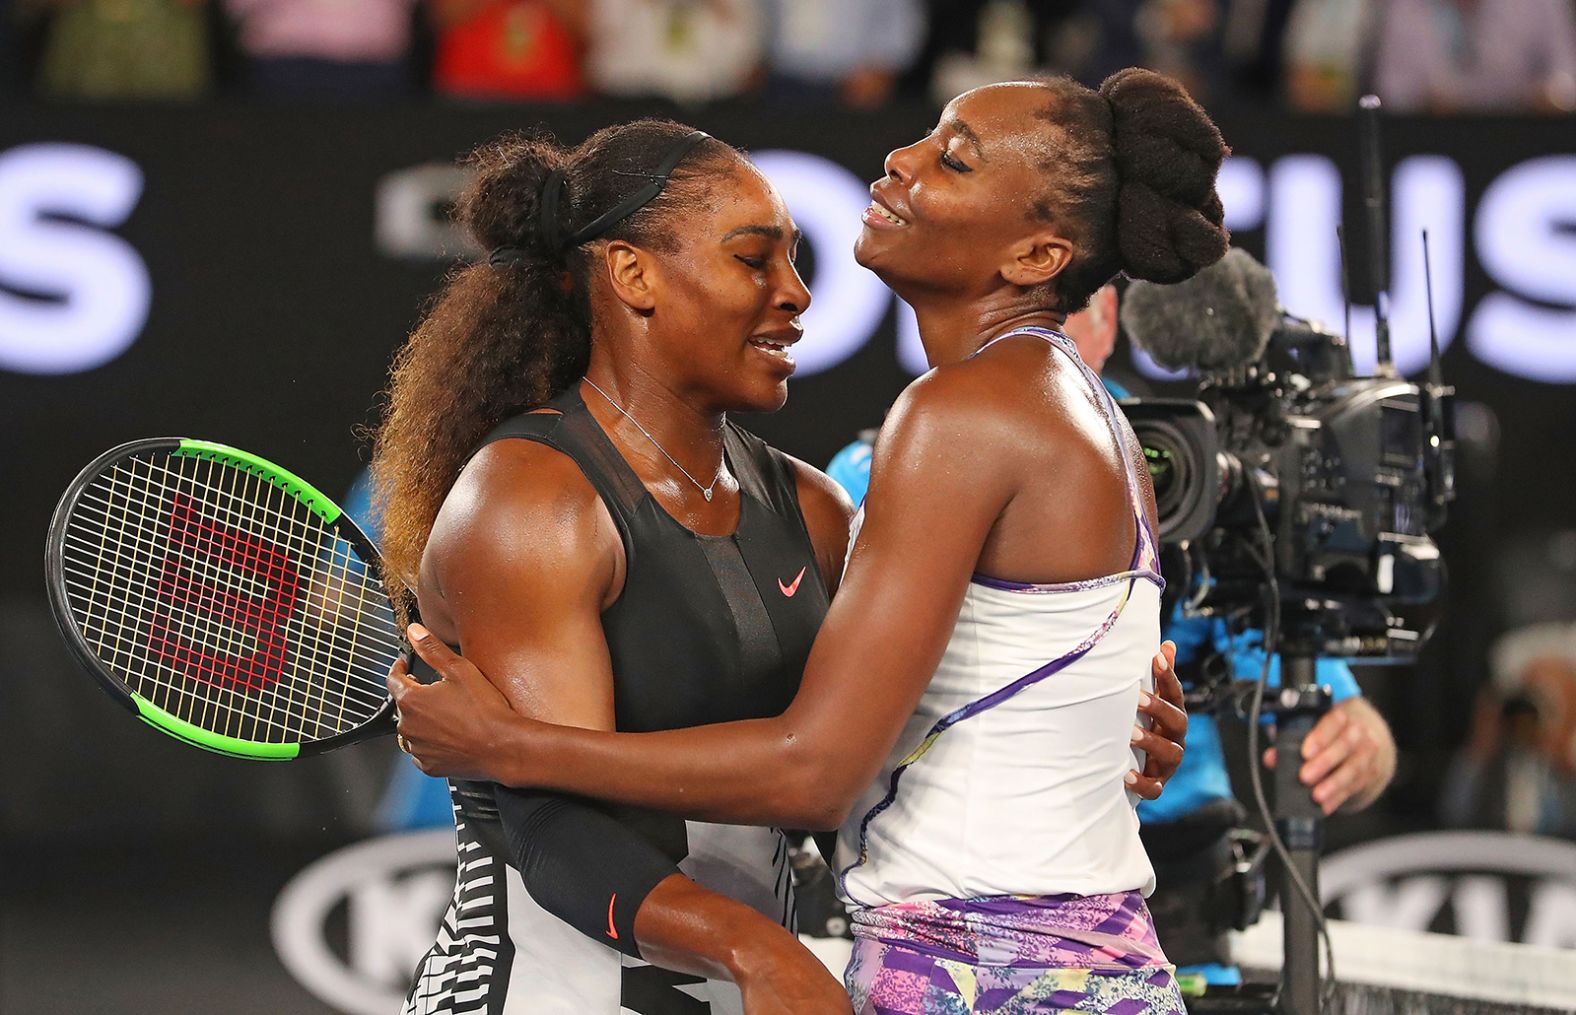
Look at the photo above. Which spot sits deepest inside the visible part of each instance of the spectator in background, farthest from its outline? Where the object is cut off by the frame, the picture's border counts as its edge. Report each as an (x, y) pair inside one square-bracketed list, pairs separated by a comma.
[(849, 51), (1254, 42), (509, 49), (1186, 39), (1117, 43), (1325, 53), (1219, 48), (1472, 55), (125, 49), (1093, 331), (684, 50), (325, 49), (1517, 773), (978, 42)]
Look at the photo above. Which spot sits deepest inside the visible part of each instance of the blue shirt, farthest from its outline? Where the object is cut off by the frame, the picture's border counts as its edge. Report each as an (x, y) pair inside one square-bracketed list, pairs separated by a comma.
[(1202, 776), (850, 467)]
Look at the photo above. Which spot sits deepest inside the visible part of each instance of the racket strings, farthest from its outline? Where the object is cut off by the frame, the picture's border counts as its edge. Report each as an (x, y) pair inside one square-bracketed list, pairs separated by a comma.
[(284, 530), (193, 626), (194, 633), (312, 650), (368, 589), (346, 574), (159, 632), (343, 646), (212, 701), (225, 601), (365, 703)]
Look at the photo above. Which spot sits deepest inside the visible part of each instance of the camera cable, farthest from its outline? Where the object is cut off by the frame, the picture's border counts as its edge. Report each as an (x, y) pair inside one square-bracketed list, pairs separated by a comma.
[(1271, 644)]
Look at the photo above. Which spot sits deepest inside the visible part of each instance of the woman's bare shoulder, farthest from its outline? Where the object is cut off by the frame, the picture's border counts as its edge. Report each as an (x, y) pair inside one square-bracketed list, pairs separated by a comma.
[(518, 503)]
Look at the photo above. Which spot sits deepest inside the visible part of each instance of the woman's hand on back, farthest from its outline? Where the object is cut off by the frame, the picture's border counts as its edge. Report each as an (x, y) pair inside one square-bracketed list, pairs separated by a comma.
[(1163, 742)]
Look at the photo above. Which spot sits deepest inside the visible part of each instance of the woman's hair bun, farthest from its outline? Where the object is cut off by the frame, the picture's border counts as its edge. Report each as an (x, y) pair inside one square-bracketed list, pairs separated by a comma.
[(502, 206), (1168, 152)]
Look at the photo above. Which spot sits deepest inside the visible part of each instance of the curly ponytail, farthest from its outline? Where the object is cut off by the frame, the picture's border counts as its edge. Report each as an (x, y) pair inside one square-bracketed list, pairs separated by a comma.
[(1134, 170), (507, 337)]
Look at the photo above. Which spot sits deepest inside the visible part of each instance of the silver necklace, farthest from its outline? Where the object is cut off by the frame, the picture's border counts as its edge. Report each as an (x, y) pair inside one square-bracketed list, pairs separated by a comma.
[(706, 491)]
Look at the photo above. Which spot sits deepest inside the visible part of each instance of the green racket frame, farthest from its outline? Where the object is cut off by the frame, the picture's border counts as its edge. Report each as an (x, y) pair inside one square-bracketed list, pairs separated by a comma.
[(382, 723)]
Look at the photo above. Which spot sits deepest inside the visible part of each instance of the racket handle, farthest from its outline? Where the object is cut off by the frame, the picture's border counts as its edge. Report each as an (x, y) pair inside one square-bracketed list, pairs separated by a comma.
[(419, 670), (415, 664)]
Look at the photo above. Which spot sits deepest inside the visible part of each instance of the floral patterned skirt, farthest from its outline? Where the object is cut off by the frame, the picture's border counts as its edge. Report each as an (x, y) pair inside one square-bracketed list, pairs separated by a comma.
[(1011, 956)]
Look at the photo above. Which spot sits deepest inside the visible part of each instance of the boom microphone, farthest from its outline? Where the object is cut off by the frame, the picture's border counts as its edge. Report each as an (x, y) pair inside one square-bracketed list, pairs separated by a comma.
[(1218, 320)]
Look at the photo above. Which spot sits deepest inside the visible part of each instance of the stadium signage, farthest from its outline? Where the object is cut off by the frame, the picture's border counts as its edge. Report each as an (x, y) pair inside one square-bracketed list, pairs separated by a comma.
[(73, 295), (1492, 886), (353, 926), (1520, 233)]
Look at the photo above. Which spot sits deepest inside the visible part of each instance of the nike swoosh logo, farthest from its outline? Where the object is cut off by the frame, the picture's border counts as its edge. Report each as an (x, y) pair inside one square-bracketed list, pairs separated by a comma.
[(612, 931), (789, 590)]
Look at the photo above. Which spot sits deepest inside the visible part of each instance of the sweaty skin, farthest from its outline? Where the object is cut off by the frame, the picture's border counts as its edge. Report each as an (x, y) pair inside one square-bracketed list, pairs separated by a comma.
[(1002, 463)]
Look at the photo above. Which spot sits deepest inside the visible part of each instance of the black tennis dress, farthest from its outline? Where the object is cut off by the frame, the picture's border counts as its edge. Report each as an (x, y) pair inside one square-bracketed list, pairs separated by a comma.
[(707, 629)]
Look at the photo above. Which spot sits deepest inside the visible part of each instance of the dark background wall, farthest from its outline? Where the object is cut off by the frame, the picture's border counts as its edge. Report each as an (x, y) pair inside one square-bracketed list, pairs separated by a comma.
[(289, 252)]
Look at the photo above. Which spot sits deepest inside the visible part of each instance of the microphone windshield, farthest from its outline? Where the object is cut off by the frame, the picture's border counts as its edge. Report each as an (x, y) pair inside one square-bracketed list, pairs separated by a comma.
[(1218, 320)]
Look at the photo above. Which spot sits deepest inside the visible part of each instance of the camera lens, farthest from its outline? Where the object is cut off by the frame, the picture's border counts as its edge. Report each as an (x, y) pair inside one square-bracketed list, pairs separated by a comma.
[(1162, 469), (1180, 450), (1170, 471)]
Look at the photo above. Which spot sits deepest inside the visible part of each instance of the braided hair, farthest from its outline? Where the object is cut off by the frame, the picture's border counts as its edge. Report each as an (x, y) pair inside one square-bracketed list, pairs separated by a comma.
[(1134, 168)]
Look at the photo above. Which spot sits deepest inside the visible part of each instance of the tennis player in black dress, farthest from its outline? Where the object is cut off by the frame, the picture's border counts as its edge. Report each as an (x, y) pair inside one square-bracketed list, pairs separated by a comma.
[(619, 526)]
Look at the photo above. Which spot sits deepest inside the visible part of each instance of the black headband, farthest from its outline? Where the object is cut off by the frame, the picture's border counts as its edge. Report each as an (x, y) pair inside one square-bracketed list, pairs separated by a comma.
[(656, 180), (552, 196)]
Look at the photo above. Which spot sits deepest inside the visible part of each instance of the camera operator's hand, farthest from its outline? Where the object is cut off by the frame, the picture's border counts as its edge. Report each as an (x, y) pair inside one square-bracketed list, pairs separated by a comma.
[(1348, 758), (1163, 742)]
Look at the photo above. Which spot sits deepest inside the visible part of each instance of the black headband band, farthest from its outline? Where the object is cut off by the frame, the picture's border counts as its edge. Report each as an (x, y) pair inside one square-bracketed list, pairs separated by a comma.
[(656, 180), (552, 197)]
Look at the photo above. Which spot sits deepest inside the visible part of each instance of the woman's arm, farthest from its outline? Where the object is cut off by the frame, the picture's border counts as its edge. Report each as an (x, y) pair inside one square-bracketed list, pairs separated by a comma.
[(685, 927), (520, 565), (943, 471), (871, 660)]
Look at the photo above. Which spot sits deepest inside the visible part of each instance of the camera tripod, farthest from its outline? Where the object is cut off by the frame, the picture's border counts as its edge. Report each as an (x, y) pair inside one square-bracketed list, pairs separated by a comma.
[(1297, 707)]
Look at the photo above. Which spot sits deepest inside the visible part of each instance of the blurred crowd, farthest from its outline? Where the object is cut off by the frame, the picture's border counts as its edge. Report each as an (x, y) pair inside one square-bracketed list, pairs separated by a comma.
[(1517, 770), (1308, 55)]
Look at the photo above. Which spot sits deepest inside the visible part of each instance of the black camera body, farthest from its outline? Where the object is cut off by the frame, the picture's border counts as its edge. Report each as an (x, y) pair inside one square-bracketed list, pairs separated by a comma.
[(1347, 474)]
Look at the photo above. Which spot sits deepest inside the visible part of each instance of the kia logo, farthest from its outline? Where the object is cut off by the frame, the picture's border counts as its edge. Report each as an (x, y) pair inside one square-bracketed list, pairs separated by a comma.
[(353, 926), (1491, 886)]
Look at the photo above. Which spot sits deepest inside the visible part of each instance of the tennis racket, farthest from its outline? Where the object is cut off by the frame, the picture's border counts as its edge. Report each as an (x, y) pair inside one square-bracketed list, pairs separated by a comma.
[(224, 600)]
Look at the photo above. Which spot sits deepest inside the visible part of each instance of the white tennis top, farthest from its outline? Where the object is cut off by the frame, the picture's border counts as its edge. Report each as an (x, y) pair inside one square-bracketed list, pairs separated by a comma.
[(1008, 779)]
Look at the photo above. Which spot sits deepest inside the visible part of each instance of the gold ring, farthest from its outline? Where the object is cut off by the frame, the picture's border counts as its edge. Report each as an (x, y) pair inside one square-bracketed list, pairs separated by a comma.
[(404, 744)]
